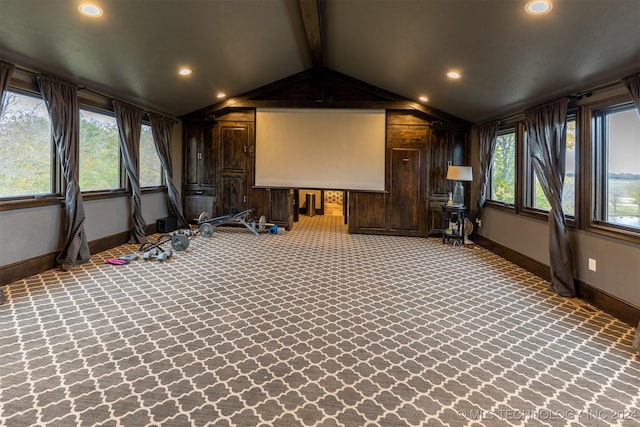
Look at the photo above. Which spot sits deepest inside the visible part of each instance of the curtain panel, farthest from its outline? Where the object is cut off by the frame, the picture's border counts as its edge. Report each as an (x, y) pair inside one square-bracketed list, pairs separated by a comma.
[(129, 120), (546, 138), (632, 83), (487, 134), (162, 127), (6, 70), (61, 99)]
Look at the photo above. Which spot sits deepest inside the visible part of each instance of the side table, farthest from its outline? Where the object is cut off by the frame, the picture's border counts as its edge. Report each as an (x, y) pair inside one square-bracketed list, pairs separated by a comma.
[(453, 214)]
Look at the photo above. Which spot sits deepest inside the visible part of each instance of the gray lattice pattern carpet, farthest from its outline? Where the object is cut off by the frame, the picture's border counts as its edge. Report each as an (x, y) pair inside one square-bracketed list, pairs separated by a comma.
[(315, 327)]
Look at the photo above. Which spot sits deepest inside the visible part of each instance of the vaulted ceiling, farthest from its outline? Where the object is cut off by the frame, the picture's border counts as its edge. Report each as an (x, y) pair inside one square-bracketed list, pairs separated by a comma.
[(509, 60)]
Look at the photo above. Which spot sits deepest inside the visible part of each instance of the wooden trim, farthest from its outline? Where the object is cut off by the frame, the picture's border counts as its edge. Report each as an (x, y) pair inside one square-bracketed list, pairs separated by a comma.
[(608, 303), (389, 100), (531, 265), (310, 11), (22, 269), (603, 300)]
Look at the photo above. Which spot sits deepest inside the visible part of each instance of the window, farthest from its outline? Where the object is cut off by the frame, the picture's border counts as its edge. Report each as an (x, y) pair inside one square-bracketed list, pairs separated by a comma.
[(539, 200), (26, 147), (617, 186), (503, 168), (150, 166), (99, 154)]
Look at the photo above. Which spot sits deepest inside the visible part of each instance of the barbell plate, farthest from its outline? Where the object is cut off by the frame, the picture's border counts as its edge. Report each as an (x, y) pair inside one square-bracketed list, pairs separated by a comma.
[(128, 257), (206, 230), (262, 223), (179, 242), (204, 216)]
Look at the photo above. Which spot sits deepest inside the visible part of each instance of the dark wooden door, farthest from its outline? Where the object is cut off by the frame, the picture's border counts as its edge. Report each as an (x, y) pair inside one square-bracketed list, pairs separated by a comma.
[(405, 189), (367, 212), (234, 142), (199, 157), (193, 141)]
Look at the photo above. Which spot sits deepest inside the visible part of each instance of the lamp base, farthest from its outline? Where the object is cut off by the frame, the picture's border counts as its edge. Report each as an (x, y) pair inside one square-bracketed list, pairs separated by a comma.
[(458, 194)]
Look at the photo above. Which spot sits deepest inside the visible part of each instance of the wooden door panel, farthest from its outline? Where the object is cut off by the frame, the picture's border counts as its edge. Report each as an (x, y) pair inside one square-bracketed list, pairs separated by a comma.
[(259, 200), (280, 206), (207, 168), (366, 212), (233, 197), (193, 137), (233, 147), (404, 189)]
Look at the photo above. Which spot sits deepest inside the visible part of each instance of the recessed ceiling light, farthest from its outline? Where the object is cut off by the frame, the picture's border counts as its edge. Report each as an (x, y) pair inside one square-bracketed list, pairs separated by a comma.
[(538, 7), (184, 71), (92, 10), (454, 74), (423, 99), (221, 95)]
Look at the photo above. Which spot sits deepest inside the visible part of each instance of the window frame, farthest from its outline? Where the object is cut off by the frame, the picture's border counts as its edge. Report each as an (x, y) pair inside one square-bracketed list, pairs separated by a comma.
[(123, 181), (594, 160), (515, 127), (56, 196), (26, 84), (163, 184)]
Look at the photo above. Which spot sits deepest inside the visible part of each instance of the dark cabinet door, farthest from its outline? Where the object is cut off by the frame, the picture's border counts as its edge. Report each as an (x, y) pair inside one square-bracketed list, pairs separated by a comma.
[(233, 198), (233, 142), (405, 201), (206, 165), (281, 207), (199, 157), (193, 138), (367, 212)]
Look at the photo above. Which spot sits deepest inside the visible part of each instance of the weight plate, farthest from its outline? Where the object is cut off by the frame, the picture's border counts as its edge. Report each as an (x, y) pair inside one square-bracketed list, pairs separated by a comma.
[(262, 223), (179, 242), (203, 217), (128, 257), (206, 230)]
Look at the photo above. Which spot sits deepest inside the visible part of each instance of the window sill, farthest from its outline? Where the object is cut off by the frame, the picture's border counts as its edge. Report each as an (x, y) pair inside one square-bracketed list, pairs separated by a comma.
[(151, 190), (32, 202), (508, 207), (543, 215), (97, 195), (627, 234)]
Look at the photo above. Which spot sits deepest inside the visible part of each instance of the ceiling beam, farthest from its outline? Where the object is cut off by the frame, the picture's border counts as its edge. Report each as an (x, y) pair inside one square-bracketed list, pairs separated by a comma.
[(310, 10)]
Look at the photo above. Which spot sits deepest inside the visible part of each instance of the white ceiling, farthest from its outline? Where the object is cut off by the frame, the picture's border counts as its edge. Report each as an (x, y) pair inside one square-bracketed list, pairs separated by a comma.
[(509, 60)]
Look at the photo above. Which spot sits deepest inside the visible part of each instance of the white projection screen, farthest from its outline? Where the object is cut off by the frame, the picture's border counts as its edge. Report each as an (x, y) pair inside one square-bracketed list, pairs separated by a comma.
[(320, 148)]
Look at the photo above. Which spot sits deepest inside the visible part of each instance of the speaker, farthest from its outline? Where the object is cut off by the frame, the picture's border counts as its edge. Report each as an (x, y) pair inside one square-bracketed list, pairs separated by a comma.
[(166, 225)]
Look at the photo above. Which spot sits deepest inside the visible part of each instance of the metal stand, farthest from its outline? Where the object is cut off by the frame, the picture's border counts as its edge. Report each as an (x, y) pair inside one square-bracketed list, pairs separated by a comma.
[(206, 225), (457, 234)]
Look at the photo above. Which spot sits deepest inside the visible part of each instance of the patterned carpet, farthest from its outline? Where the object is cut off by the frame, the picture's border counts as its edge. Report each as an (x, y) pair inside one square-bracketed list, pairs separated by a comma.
[(315, 327)]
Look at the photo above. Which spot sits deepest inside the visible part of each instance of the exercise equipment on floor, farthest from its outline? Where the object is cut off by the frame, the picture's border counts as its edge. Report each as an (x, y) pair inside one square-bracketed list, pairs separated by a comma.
[(207, 226), (179, 241)]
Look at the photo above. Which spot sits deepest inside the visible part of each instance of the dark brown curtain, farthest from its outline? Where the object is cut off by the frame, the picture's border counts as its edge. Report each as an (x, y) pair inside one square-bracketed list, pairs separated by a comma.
[(632, 83), (162, 127), (6, 70), (61, 99), (487, 134), (546, 138), (129, 119)]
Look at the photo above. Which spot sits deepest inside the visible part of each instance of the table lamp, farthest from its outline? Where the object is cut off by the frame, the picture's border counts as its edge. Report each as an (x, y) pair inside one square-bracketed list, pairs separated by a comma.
[(459, 174)]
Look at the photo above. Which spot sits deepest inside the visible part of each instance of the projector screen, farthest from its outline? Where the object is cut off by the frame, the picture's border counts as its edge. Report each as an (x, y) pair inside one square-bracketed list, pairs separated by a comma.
[(320, 148)]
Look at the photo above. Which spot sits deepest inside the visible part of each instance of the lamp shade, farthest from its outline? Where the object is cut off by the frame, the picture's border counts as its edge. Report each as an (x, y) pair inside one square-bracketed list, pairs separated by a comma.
[(459, 173)]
